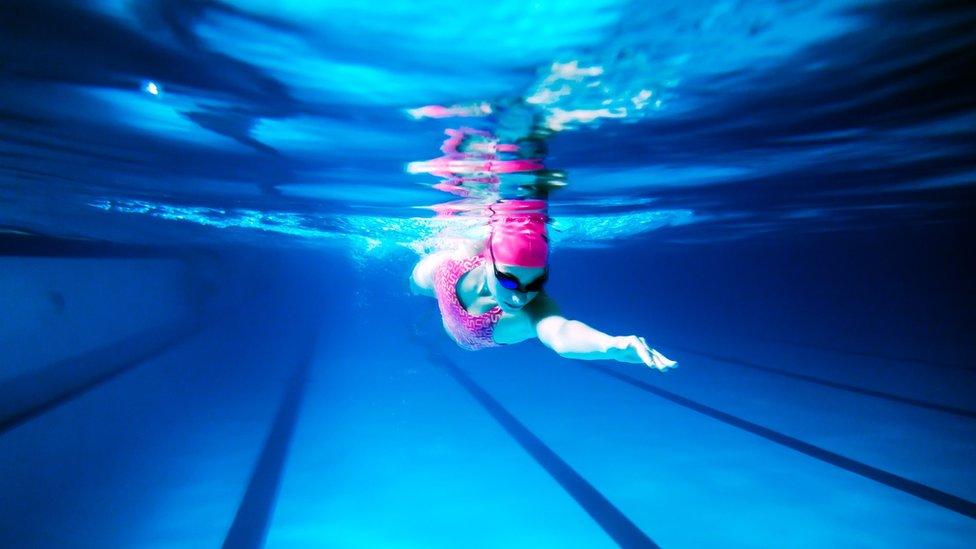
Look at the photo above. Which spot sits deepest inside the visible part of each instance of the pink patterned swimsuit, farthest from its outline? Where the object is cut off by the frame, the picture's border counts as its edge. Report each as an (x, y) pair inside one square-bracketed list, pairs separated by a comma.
[(469, 331)]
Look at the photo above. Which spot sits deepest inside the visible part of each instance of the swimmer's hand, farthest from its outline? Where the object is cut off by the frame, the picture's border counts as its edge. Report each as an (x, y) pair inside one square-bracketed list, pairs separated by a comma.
[(635, 350)]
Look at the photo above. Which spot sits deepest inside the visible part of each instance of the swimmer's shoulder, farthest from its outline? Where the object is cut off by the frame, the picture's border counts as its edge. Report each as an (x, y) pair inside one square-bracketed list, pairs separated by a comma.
[(422, 277)]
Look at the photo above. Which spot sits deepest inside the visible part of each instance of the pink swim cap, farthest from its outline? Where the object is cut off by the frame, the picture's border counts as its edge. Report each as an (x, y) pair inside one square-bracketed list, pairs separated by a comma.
[(518, 233)]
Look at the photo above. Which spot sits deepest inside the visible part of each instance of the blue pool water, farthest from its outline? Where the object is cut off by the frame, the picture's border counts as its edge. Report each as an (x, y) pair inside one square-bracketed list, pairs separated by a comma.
[(209, 212)]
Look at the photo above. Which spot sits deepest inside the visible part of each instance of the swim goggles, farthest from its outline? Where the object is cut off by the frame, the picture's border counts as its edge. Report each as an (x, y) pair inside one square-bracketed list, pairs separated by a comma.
[(511, 282)]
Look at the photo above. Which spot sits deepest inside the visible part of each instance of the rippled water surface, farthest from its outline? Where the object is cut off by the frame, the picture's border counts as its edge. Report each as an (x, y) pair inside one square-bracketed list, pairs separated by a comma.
[(291, 123)]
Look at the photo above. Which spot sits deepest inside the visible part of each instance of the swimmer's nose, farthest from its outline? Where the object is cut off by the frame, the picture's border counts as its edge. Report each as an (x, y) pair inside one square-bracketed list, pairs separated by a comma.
[(517, 299)]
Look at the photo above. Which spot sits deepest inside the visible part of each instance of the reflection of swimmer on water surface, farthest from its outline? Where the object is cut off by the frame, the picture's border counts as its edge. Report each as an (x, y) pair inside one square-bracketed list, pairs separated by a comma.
[(491, 293), (476, 163)]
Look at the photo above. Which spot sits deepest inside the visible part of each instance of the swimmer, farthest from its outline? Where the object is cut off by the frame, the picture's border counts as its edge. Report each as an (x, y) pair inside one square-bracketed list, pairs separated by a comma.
[(492, 293)]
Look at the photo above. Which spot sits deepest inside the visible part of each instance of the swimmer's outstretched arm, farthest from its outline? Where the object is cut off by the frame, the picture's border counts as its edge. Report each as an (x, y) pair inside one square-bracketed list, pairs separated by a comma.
[(574, 339)]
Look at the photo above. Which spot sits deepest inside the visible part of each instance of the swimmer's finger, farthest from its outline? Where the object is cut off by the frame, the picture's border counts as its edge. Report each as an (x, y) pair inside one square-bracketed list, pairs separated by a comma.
[(657, 360), (644, 353), (662, 362)]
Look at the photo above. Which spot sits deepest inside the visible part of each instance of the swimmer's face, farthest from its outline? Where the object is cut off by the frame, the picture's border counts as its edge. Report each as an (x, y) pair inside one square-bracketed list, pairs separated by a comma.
[(513, 300)]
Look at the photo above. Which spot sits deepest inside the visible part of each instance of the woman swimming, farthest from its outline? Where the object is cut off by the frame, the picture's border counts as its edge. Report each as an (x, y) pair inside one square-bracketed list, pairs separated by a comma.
[(491, 293)]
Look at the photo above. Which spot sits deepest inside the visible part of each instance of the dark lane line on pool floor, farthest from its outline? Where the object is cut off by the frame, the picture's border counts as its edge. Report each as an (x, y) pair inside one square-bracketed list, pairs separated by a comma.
[(870, 354), (876, 355), (33, 394), (928, 493), (612, 520), (253, 516), (864, 391)]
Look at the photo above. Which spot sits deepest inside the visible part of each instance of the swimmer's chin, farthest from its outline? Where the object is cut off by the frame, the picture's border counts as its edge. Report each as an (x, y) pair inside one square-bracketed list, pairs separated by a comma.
[(510, 308)]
